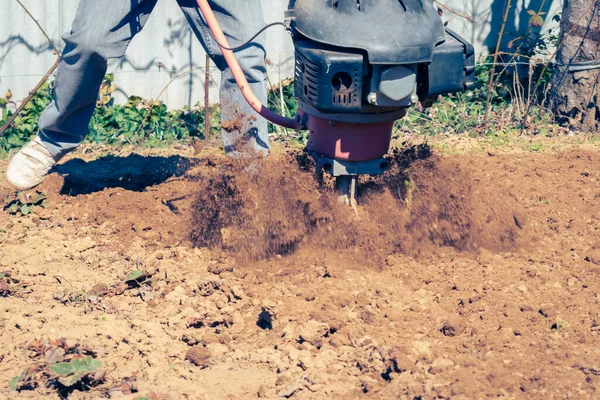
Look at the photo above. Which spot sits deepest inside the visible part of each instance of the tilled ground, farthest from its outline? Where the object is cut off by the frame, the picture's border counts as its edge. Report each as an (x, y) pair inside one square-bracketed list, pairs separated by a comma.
[(463, 277)]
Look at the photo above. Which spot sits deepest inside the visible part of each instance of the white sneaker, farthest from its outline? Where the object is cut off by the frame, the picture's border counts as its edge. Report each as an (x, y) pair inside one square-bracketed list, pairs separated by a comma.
[(30, 165)]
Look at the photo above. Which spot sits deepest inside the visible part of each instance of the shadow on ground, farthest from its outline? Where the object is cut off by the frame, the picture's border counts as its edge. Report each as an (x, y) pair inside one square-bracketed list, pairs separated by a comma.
[(134, 172)]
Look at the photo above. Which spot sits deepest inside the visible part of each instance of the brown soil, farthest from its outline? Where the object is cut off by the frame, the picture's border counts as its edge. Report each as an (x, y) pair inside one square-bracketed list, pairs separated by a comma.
[(461, 277)]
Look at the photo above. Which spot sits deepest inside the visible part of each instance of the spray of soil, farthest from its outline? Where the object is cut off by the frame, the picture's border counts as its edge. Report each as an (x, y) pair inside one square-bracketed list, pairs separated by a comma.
[(260, 208)]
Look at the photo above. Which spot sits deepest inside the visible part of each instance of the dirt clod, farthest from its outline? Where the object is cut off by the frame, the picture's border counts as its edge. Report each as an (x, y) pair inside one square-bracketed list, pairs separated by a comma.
[(453, 326), (313, 332), (439, 365), (548, 310), (199, 356)]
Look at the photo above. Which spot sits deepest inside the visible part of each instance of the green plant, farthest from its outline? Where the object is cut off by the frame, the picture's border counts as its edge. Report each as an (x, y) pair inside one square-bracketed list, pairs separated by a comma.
[(560, 326), (55, 363), (69, 373), (25, 125), (136, 122), (25, 203)]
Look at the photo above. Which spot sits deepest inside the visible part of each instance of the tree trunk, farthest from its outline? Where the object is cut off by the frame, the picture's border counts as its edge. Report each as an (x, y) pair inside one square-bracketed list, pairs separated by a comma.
[(576, 92)]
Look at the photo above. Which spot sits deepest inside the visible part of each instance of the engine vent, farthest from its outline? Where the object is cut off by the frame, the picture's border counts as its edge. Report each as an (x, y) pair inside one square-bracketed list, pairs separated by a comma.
[(328, 80), (307, 79), (344, 88)]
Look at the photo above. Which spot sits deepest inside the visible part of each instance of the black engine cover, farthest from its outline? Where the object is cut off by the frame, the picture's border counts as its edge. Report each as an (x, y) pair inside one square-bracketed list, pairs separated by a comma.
[(365, 60), (390, 31)]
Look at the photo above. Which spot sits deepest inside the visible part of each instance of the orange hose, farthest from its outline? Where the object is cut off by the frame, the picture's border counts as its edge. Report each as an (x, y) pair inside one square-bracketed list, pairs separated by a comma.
[(238, 74)]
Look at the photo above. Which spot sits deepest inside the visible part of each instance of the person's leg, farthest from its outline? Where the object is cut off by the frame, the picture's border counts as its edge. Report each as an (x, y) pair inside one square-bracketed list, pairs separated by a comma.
[(102, 30), (240, 20)]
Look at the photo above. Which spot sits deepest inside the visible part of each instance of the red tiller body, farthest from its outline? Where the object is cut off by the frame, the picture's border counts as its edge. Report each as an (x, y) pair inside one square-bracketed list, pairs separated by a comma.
[(349, 141)]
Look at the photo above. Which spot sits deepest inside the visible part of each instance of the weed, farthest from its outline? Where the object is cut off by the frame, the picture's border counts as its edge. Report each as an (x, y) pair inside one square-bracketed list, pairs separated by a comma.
[(59, 365), (10, 286), (559, 326), (25, 203), (66, 367), (112, 124), (142, 282)]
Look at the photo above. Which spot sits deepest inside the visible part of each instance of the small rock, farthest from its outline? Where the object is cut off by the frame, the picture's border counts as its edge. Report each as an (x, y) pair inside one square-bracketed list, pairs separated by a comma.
[(340, 339), (210, 338), (176, 295), (238, 322), (208, 286), (313, 332), (440, 364), (99, 289), (421, 349), (453, 326), (224, 338), (305, 361), (218, 268), (237, 292), (220, 304), (593, 257), (239, 273), (400, 362), (283, 379), (548, 310), (395, 314), (45, 214), (159, 255), (522, 288), (292, 352), (368, 317), (262, 391), (442, 391), (199, 356)]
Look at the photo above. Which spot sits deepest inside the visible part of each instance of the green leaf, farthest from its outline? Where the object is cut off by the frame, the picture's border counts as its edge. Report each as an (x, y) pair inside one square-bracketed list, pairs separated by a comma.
[(86, 364), (25, 209), (63, 369), (133, 275), (12, 385), (71, 379), (40, 197)]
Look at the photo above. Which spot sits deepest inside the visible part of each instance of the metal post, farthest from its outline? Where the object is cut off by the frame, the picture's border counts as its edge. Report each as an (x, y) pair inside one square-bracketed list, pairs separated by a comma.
[(207, 98)]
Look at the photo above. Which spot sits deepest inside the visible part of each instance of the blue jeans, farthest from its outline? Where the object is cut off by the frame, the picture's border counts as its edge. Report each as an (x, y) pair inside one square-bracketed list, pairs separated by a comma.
[(103, 29)]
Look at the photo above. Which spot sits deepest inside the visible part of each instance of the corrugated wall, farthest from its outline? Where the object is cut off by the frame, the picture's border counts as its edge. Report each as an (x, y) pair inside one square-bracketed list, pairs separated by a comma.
[(166, 40)]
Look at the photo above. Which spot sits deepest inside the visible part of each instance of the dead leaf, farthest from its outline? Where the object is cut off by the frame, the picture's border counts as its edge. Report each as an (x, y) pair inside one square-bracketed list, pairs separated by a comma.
[(54, 355)]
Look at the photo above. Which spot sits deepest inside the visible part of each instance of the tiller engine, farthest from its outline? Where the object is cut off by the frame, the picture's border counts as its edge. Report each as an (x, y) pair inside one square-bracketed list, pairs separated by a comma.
[(359, 65)]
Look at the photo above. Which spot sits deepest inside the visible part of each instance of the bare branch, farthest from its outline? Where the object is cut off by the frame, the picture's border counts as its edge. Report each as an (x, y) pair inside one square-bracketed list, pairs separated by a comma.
[(445, 7)]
